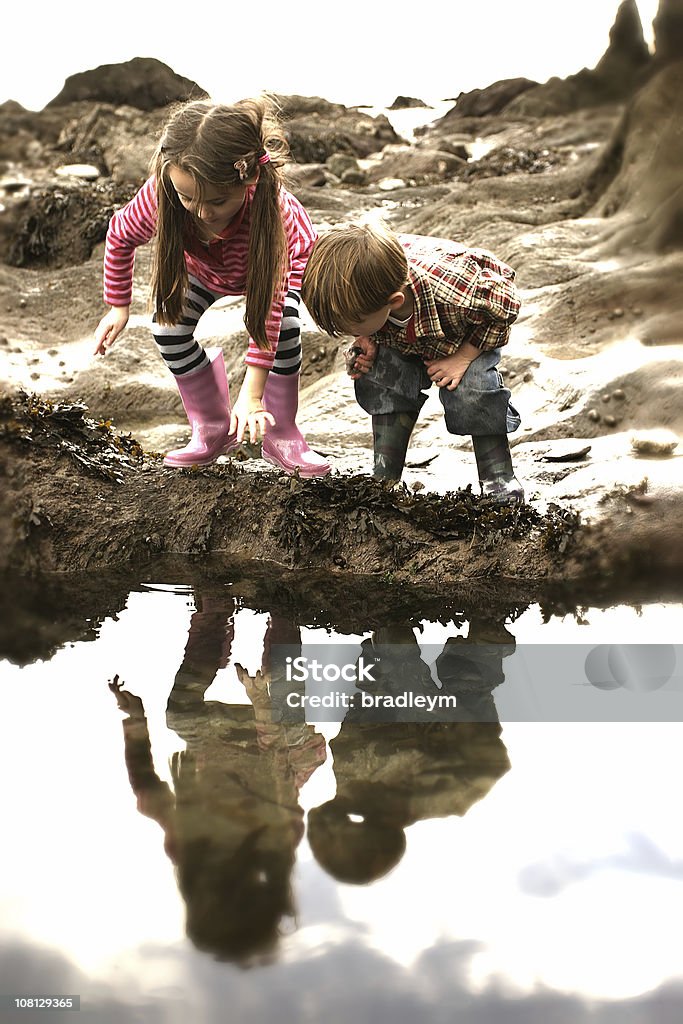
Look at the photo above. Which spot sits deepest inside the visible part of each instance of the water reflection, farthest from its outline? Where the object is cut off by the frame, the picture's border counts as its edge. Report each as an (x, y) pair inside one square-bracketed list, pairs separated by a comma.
[(397, 766), (232, 822), (472, 883)]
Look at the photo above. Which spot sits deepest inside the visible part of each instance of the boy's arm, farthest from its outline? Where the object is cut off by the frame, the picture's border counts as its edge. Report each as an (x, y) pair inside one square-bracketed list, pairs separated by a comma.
[(449, 370)]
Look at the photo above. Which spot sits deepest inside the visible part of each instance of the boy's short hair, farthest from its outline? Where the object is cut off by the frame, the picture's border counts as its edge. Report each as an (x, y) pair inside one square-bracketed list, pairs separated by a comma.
[(350, 274)]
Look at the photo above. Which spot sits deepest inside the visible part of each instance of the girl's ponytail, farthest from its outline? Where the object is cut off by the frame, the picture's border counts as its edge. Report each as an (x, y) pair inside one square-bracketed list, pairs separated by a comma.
[(169, 271), (267, 261)]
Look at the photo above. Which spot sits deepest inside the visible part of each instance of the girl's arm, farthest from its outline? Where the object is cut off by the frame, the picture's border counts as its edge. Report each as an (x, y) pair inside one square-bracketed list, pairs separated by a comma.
[(132, 225)]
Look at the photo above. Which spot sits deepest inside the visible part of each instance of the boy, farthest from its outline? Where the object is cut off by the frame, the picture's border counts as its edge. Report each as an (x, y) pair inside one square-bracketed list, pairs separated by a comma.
[(423, 311)]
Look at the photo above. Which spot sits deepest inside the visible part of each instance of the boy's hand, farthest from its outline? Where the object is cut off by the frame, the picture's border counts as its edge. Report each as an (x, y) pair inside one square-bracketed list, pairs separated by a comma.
[(109, 328), (447, 372), (365, 357)]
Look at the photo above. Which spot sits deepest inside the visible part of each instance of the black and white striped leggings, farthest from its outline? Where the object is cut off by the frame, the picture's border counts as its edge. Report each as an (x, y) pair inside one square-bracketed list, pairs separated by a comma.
[(182, 353)]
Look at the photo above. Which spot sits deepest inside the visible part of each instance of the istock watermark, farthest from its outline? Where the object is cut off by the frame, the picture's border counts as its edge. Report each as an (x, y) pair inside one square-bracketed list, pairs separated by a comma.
[(301, 669), (478, 681)]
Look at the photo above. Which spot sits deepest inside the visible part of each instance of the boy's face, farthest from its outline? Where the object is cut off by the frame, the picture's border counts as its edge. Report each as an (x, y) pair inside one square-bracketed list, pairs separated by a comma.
[(370, 324)]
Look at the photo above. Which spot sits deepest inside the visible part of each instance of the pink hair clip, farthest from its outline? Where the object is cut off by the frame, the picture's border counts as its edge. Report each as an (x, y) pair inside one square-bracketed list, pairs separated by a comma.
[(242, 169), (265, 159)]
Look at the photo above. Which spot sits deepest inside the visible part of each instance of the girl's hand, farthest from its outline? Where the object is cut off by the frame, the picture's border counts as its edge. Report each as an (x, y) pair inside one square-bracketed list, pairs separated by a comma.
[(446, 372), (249, 414), (109, 328), (365, 359)]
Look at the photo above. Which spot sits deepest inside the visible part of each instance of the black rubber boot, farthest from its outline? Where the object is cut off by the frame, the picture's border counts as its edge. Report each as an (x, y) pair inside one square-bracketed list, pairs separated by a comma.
[(391, 434), (494, 465)]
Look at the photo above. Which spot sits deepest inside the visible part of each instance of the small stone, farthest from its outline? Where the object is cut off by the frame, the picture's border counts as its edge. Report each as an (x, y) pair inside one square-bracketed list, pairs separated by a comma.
[(17, 349), (654, 442), (605, 398), (418, 486), (619, 395), (35, 376), (511, 374), (53, 352), (3, 340), (637, 311), (88, 172), (321, 353), (618, 312), (314, 358), (527, 377), (594, 415), (610, 421), (22, 303)]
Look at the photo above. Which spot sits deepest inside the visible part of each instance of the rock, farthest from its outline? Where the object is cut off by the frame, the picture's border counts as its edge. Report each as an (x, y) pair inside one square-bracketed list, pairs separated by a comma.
[(337, 163), (654, 442), (312, 175), (317, 129), (406, 102), (668, 31), (352, 177), (617, 75), (624, 180), (493, 99), (417, 166), (85, 171), (144, 82)]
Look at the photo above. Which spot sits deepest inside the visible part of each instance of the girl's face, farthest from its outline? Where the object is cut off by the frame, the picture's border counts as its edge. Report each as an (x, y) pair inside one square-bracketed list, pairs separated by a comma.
[(219, 205)]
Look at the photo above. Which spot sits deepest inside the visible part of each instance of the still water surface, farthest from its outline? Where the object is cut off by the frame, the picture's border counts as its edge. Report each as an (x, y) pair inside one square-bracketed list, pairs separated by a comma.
[(171, 853)]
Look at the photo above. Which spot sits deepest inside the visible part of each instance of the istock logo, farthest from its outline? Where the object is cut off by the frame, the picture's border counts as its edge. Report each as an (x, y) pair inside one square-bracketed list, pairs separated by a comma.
[(300, 670)]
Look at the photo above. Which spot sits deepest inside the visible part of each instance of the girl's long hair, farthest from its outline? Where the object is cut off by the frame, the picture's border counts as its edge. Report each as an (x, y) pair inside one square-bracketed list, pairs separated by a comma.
[(206, 140)]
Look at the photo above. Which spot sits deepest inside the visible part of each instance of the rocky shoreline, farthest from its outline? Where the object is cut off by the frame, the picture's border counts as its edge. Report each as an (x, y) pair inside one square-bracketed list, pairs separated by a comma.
[(576, 183)]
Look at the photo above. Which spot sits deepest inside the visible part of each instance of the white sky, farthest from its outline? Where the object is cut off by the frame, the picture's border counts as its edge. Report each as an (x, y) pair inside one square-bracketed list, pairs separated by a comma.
[(359, 53)]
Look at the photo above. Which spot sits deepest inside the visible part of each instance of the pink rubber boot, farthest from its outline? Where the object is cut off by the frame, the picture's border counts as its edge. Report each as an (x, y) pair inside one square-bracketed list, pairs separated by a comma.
[(206, 400), (284, 445)]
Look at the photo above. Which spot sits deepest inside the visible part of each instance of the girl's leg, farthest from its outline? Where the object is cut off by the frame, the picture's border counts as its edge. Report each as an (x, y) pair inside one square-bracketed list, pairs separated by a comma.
[(201, 380), (284, 445), (179, 348)]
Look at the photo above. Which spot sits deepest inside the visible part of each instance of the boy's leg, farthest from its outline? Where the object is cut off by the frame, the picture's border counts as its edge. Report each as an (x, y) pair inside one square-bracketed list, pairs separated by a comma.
[(392, 392), (481, 406)]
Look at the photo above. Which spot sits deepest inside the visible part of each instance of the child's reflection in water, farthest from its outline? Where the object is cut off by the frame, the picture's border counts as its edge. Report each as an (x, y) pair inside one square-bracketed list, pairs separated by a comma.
[(233, 821), (392, 772)]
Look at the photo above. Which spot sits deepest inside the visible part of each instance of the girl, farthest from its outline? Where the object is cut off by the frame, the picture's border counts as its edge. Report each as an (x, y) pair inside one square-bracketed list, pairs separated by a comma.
[(224, 225)]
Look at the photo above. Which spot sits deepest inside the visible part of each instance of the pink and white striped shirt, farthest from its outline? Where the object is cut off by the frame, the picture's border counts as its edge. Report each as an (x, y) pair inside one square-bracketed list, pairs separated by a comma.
[(221, 266)]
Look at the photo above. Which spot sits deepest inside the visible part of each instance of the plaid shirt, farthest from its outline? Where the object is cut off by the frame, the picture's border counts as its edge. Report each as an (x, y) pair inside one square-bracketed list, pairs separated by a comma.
[(460, 294)]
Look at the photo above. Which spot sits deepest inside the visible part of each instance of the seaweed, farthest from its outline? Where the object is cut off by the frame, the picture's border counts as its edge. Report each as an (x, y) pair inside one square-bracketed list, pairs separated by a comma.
[(370, 508), (93, 444)]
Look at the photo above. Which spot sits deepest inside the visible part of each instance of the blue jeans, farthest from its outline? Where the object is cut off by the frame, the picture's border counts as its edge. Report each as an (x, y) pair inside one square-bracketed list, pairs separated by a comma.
[(479, 405)]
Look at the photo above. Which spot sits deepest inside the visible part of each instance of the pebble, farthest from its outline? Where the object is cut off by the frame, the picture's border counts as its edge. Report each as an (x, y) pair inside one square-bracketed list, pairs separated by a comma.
[(610, 421), (3, 340), (53, 352), (637, 311), (527, 377), (511, 374), (654, 442), (22, 303), (606, 398), (619, 395), (35, 376), (594, 415), (86, 171)]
